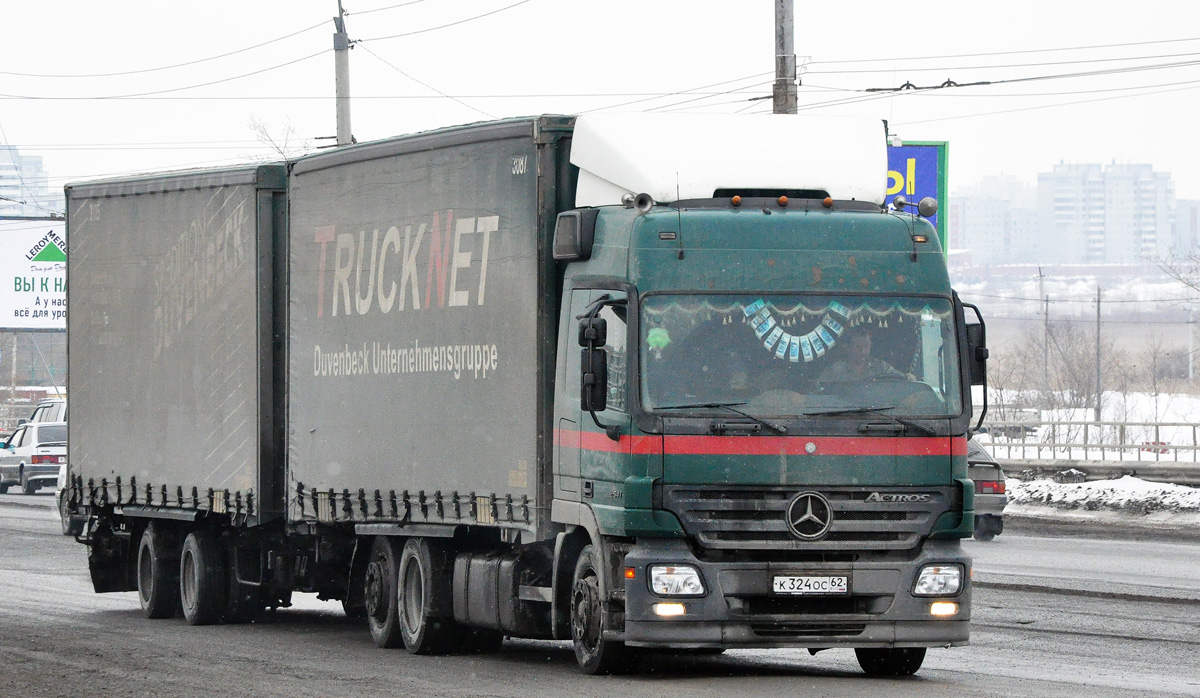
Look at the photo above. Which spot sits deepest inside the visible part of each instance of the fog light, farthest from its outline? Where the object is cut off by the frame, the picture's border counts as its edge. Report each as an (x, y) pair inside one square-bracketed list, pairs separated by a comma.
[(938, 580), (943, 608), (675, 580), (669, 609)]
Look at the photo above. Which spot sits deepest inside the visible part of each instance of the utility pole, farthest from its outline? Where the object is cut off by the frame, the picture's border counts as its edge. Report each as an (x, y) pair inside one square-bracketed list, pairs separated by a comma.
[(1045, 331), (341, 64), (785, 92), (1099, 390)]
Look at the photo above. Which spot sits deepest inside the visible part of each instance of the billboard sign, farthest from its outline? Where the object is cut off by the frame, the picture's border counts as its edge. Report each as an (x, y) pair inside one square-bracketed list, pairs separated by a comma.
[(917, 170), (33, 274)]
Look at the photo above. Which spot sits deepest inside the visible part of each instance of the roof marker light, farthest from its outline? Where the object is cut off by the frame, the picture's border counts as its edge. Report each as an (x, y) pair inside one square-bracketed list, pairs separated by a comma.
[(736, 200), (783, 202), (827, 202)]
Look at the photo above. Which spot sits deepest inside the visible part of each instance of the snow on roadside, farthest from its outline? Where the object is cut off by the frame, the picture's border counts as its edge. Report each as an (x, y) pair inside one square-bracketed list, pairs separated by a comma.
[(1126, 500)]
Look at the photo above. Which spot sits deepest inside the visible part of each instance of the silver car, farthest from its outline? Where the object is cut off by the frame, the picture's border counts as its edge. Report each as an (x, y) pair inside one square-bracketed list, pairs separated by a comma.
[(31, 457), (991, 494)]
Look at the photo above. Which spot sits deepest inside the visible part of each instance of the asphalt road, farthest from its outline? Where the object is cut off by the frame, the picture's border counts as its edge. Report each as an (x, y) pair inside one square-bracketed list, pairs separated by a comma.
[(1053, 616)]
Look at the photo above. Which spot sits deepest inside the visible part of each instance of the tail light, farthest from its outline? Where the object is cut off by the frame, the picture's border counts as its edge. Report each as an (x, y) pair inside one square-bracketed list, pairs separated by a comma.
[(990, 486), (47, 460)]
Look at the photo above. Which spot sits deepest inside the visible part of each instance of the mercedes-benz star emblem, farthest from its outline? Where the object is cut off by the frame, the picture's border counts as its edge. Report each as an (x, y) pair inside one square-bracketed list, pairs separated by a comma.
[(809, 516)]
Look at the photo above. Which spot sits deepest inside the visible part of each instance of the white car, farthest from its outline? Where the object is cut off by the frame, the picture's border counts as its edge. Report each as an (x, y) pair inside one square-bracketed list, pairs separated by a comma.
[(31, 457)]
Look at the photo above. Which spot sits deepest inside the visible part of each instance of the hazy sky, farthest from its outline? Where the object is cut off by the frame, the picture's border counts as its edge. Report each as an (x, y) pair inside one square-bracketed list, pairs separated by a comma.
[(101, 88)]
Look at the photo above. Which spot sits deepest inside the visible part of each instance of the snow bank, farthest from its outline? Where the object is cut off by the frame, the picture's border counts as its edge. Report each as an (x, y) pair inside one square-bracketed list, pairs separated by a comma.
[(1128, 495)]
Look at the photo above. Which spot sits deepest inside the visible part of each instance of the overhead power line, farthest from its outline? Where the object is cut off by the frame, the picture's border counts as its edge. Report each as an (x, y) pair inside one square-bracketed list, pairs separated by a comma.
[(444, 26), (162, 67), (1008, 53)]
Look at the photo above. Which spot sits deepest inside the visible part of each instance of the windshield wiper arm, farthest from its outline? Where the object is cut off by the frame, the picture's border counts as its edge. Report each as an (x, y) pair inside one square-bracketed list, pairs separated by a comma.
[(876, 412), (732, 407)]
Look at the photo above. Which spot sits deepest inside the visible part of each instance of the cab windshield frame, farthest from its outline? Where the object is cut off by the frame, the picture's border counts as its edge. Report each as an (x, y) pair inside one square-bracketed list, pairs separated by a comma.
[(785, 355)]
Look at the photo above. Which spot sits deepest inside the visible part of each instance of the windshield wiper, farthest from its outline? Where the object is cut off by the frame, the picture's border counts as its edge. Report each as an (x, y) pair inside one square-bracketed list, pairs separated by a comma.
[(732, 407), (875, 412)]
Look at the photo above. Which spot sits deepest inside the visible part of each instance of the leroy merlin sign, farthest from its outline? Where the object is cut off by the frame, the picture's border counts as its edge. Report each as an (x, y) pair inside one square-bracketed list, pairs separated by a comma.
[(33, 275)]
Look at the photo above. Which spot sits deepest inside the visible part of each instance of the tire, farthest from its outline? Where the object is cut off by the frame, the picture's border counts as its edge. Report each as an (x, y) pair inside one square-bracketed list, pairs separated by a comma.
[(594, 654), (3, 488), (983, 532), (27, 487), (379, 593), (890, 661), (158, 573), (425, 598), (64, 514), (203, 580)]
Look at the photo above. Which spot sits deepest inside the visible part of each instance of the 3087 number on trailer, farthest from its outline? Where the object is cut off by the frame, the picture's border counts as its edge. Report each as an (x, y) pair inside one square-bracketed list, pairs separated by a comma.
[(832, 585)]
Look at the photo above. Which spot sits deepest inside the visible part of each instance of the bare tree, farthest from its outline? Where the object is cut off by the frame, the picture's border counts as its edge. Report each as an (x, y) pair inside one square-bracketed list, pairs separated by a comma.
[(284, 141)]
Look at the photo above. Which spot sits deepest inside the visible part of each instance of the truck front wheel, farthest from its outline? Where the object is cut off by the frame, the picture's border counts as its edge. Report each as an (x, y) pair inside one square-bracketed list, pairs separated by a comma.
[(890, 661), (426, 619), (594, 654), (157, 574), (379, 593), (203, 585)]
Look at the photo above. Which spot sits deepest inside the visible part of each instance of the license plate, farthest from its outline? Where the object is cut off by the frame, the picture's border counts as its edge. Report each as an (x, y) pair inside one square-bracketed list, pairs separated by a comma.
[(831, 585)]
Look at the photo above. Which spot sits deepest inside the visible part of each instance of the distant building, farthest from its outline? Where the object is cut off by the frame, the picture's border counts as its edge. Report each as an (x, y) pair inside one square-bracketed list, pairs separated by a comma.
[(1119, 214), (24, 186), (1186, 236), (994, 222)]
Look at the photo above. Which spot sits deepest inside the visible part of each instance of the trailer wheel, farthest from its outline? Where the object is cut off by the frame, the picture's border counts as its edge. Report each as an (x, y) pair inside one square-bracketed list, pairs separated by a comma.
[(425, 594), (203, 583), (379, 593), (3, 488), (594, 654), (890, 661), (157, 574)]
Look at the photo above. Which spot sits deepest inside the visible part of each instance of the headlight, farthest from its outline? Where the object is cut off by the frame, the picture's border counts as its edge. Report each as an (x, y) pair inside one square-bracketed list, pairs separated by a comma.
[(675, 580), (938, 580)]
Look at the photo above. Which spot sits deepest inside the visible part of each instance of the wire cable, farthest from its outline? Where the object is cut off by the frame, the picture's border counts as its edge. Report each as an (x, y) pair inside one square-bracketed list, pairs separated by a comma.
[(443, 26), (164, 67), (426, 85)]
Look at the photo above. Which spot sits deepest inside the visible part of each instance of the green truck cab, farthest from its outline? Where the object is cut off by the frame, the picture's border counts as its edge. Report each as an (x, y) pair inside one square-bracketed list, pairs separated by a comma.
[(762, 411)]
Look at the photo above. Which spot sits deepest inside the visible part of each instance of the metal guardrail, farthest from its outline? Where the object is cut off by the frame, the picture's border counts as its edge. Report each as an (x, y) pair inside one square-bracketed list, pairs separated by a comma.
[(1153, 451)]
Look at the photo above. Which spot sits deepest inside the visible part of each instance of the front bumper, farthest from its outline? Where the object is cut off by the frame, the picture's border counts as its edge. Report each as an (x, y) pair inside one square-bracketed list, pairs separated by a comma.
[(740, 609)]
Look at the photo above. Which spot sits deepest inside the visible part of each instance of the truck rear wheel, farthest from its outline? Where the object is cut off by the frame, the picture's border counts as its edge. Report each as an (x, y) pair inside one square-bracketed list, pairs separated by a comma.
[(890, 661), (425, 598), (379, 593), (594, 654), (157, 574), (203, 584)]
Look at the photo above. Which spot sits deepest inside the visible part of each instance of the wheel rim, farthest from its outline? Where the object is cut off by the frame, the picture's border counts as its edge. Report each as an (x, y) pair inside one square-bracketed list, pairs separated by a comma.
[(585, 613), (188, 575), (145, 575), (413, 603), (375, 592)]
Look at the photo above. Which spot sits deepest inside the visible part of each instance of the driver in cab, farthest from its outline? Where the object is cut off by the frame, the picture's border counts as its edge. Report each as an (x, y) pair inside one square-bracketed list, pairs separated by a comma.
[(857, 364)]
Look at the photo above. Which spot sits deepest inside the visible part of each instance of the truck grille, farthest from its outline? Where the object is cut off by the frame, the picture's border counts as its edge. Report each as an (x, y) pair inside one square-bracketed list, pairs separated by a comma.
[(755, 518)]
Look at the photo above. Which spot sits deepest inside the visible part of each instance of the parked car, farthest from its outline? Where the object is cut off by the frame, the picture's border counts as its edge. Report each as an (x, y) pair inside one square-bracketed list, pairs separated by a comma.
[(31, 457), (991, 494), (49, 410)]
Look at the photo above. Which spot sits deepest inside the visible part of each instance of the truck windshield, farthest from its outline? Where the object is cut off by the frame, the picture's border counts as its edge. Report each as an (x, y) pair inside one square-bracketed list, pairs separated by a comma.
[(800, 355)]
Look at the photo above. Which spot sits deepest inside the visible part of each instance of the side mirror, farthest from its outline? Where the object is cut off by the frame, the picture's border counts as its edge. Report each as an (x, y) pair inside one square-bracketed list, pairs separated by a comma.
[(594, 383), (977, 354)]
